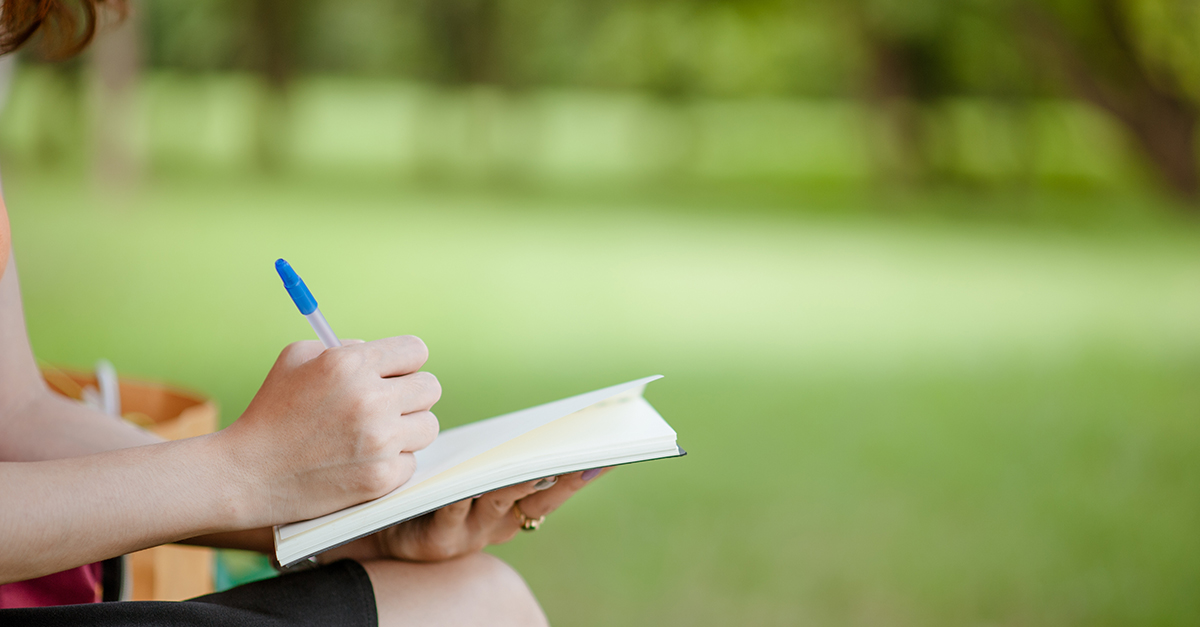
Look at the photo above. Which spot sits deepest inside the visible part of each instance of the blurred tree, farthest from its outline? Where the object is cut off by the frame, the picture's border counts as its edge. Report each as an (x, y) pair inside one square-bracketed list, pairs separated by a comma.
[(905, 49), (272, 44), (909, 59), (921, 53), (1140, 70), (466, 36), (273, 40), (196, 36), (676, 47), (116, 61), (363, 38)]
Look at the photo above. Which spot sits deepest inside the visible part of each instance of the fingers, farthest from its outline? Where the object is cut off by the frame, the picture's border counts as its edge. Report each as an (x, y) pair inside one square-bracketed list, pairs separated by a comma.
[(416, 427), (472, 524), (546, 501), (393, 356), (385, 476), (415, 431), (454, 513), (395, 360), (493, 508), (418, 391)]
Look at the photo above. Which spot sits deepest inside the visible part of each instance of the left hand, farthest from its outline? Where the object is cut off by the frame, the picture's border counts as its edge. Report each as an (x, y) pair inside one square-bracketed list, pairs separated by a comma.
[(463, 527)]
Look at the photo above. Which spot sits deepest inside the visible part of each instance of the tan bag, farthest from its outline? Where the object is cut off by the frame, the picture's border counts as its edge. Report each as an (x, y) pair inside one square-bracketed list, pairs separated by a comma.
[(170, 572)]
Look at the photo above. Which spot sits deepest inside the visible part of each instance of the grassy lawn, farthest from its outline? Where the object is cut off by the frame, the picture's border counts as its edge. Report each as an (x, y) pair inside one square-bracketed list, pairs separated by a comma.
[(890, 422)]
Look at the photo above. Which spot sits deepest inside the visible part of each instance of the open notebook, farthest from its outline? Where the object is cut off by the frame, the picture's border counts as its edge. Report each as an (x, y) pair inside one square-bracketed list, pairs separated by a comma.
[(607, 427)]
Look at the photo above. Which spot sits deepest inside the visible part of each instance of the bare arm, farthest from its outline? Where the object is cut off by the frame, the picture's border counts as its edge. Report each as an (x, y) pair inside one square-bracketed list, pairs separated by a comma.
[(77, 486), (63, 513), (71, 492), (38, 425)]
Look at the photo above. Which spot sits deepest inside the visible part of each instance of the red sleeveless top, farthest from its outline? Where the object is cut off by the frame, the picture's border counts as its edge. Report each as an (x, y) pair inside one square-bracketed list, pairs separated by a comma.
[(78, 585)]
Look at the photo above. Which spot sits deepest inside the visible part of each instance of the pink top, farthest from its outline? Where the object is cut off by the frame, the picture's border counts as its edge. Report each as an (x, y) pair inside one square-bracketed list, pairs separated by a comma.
[(78, 585)]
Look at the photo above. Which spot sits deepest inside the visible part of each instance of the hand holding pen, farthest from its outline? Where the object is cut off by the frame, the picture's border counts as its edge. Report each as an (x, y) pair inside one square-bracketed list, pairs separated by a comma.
[(328, 428)]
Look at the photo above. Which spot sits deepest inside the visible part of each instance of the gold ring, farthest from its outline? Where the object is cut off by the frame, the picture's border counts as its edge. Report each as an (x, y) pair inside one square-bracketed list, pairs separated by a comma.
[(527, 523)]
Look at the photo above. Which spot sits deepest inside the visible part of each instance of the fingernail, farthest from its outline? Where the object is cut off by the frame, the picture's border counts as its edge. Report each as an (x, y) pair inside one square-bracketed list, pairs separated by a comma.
[(545, 483), (588, 475)]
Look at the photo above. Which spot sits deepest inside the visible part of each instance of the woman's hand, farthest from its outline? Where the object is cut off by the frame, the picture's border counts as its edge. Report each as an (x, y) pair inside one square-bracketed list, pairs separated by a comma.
[(332, 428), (466, 526)]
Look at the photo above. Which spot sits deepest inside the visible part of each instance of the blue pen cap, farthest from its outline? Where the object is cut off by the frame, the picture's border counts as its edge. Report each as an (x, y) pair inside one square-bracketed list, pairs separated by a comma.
[(296, 288)]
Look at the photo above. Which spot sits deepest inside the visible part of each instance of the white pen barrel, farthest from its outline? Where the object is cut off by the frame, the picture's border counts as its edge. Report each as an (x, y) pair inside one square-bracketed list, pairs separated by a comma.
[(324, 332)]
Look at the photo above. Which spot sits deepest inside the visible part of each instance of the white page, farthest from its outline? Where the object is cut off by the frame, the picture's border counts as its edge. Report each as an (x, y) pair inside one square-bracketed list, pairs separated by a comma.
[(460, 444), (590, 429)]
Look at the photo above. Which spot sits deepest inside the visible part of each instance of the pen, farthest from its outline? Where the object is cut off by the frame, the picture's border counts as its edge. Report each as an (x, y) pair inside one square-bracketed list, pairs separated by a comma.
[(306, 303)]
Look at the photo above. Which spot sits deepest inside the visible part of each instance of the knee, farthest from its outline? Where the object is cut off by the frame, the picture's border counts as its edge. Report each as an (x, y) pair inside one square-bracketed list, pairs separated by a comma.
[(476, 589), (499, 590)]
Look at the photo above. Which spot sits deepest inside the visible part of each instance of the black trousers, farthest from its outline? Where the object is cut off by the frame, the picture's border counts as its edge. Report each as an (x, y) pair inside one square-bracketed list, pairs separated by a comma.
[(338, 594)]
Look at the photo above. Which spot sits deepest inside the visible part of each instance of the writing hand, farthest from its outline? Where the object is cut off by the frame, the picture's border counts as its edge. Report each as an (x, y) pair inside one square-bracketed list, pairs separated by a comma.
[(332, 428)]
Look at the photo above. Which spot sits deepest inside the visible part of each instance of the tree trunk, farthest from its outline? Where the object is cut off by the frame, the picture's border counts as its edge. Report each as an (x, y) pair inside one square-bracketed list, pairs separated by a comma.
[(466, 35), (116, 60), (1166, 132), (895, 88), (274, 26), (274, 59), (892, 94), (1159, 117)]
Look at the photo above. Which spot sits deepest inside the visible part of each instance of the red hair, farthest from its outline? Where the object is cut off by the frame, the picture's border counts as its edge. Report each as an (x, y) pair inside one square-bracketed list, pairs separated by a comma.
[(65, 27)]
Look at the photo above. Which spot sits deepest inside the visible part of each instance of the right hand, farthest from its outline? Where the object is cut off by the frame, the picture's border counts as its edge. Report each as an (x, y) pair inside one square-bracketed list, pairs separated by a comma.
[(332, 428)]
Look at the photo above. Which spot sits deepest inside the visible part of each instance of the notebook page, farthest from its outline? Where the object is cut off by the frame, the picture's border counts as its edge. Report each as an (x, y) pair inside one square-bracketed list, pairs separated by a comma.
[(597, 428)]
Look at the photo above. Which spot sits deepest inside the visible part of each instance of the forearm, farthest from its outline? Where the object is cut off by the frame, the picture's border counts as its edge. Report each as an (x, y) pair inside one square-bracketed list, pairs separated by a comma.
[(47, 426), (37, 425), (62, 513), (52, 427)]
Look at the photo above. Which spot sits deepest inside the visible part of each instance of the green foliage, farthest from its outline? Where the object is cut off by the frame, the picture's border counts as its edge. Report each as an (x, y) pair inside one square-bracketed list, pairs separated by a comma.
[(379, 129), (665, 47), (1167, 34), (196, 36), (912, 63)]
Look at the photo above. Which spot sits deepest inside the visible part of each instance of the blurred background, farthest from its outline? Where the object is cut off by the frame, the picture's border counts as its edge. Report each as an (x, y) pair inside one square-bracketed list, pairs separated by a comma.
[(923, 277)]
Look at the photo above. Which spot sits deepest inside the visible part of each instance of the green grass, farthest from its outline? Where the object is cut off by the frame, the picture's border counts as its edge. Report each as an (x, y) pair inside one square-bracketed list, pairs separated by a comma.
[(890, 422)]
